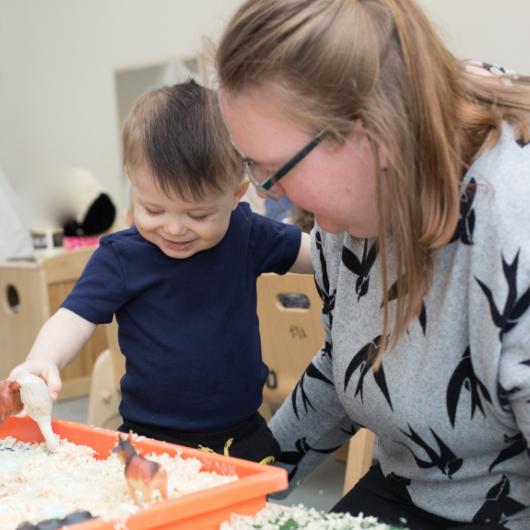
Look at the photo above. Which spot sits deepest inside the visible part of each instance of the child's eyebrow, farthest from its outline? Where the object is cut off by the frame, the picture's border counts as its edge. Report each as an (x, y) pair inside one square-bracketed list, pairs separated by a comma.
[(150, 204), (204, 208)]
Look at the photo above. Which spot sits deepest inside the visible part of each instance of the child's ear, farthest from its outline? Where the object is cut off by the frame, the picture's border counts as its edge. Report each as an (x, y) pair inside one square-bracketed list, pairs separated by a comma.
[(128, 216), (240, 191)]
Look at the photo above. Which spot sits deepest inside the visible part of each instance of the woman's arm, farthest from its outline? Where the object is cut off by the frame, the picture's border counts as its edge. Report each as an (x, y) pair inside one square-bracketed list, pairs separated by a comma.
[(303, 264)]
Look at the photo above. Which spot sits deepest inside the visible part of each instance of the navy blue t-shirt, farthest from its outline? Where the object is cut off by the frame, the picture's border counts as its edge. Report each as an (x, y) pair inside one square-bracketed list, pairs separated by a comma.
[(188, 328)]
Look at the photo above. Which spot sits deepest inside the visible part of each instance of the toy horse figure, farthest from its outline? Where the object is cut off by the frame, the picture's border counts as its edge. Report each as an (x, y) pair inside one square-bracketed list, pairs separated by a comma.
[(10, 402), (28, 395), (38, 404), (141, 474)]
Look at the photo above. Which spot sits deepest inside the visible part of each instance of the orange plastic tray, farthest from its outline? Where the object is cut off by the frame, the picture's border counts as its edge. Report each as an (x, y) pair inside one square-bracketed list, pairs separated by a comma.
[(203, 510)]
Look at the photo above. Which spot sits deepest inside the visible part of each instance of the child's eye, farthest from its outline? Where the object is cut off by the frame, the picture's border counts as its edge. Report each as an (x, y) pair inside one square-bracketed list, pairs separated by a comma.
[(153, 212), (197, 217)]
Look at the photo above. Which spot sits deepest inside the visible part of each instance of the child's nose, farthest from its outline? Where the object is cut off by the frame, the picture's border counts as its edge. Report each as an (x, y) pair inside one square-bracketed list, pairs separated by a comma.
[(175, 227)]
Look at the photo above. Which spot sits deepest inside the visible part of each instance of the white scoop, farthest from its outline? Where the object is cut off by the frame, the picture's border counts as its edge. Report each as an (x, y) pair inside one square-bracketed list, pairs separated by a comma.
[(37, 400)]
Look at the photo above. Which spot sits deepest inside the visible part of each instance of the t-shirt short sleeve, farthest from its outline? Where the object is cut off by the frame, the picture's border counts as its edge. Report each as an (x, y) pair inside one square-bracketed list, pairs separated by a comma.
[(101, 289), (275, 245)]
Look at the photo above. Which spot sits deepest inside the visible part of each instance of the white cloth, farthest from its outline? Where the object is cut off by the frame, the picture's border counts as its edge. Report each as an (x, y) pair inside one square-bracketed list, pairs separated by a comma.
[(15, 237)]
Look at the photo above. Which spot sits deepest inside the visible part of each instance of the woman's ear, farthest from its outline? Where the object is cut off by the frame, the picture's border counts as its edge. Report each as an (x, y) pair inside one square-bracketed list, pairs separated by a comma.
[(239, 192), (380, 150), (383, 159)]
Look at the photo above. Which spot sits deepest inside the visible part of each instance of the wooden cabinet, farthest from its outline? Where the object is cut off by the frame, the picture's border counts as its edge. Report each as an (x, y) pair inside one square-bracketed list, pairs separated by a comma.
[(32, 291)]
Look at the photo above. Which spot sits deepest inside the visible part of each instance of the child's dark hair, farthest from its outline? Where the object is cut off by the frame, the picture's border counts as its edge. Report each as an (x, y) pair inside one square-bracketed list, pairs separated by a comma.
[(177, 134)]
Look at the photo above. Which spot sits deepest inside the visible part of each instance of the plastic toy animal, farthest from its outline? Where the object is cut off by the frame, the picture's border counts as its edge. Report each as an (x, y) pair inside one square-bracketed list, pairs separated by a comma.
[(142, 475), (38, 402), (50, 524), (10, 402)]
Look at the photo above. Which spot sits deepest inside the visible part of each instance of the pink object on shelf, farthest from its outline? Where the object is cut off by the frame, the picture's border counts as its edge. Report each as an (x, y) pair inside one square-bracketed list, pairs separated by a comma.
[(72, 242)]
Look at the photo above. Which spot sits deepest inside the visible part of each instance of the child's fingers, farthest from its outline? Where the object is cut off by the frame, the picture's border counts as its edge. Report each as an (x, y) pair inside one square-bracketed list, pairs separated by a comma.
[(54, 381), (18, 371)]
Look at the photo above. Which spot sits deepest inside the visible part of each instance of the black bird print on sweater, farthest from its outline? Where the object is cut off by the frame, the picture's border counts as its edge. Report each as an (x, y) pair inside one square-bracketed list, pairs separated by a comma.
[(464, 377), (364, 359), (328, 298), (517, 446), (498, 504), (361, 268), (466, 222), (315, 373), (503, 396), (302, 448), (422, 317), (513, 307), (445, 460)]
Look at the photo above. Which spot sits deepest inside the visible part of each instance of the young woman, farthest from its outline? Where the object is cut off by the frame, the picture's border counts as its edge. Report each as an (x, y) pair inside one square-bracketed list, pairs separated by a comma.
[(417, 168)]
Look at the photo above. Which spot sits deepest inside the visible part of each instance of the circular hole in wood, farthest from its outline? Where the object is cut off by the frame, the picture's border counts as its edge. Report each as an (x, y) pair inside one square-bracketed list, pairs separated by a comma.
[(13, 299), (294, 300)]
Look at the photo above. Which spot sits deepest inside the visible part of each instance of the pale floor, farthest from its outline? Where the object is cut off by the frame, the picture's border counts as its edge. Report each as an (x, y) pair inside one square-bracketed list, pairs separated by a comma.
[(321, 490)]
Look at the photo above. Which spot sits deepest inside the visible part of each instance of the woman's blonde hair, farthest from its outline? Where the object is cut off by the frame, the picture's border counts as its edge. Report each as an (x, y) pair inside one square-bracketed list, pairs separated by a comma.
[(380, 62)]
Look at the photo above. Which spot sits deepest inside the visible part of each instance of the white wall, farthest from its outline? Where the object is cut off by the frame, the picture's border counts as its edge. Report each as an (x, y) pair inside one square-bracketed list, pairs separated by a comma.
[(58, 59), (491, 30), (57, 64)]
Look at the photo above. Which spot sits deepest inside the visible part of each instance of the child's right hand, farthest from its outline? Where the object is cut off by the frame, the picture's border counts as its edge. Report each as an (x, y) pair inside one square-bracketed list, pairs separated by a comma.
[(45, 369)]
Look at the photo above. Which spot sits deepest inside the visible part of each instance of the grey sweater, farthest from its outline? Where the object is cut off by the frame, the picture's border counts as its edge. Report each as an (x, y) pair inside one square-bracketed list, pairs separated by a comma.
[(451, 403)]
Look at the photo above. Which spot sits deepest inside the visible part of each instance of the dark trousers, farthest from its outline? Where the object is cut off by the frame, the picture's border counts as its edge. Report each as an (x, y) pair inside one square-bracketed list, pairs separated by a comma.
[(250, 439), (377, 496)]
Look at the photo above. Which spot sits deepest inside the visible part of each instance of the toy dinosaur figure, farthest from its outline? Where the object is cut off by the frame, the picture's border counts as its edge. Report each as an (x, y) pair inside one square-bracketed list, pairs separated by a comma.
[(142, 475)]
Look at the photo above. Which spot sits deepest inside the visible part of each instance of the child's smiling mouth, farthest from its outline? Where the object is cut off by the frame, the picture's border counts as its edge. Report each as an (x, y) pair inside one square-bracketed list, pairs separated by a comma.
[(178, 245)]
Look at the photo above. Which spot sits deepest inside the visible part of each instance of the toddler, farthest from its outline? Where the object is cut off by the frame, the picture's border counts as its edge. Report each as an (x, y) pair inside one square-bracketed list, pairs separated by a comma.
[(182, 284)]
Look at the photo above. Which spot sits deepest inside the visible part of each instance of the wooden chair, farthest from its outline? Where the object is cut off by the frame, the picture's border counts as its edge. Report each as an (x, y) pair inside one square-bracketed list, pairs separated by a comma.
[(31, 292), (359, 459), (105, 393), (290, 337)]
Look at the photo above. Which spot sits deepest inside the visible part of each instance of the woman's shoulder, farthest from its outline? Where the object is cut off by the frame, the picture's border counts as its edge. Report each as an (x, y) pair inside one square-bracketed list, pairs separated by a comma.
[(497, 208), (327, 249), (509, 154), (326, 242), (502, 176)]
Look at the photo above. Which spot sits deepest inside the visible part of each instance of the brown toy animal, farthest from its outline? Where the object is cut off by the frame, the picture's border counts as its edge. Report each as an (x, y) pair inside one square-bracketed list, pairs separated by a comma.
[(141, 474), (10, 402)]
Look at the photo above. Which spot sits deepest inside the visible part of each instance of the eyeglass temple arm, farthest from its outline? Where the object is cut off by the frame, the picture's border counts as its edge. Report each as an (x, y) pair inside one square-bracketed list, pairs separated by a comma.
[(268, 184)]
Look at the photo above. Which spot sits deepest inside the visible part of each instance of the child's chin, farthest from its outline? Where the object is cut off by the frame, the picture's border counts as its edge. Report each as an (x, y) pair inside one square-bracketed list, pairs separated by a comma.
[(179, 254)]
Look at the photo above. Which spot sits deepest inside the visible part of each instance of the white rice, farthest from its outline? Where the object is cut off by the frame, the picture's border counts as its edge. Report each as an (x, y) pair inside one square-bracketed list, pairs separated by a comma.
[(36, 484), (276, 517)]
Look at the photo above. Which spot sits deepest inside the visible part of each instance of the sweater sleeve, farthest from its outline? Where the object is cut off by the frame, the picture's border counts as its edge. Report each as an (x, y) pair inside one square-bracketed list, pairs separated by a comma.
[(312, 423), (500, 288), (514, 371)]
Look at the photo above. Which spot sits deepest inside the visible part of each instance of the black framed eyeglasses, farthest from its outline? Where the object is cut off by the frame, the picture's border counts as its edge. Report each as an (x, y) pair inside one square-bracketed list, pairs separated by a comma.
[(263, 182)]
